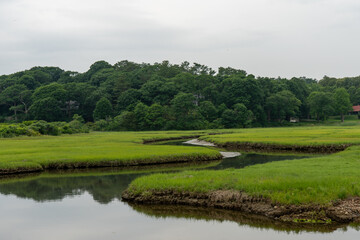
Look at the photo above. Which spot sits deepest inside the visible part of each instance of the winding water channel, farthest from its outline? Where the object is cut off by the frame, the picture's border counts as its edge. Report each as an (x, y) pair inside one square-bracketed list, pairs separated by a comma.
[(87, 205)]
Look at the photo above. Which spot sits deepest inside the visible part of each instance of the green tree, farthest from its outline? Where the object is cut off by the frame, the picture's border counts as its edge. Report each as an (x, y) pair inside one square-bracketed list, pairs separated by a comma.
[(155, 117), (240, 116), (17, 97), (128, 99), (244, 115), (47, 109), (230, 71), (80, 99), (95, 67), (157, 91), (124, 121), (41, 76), (184, 112), (103, 109), (242, 90), (321, 104), (229, 118), (101, 76), (53, 90), (282, 105), (208, 110), (183, 104), (88, 107), (354, 95), (29, 81), (140, 113), (342, 102)]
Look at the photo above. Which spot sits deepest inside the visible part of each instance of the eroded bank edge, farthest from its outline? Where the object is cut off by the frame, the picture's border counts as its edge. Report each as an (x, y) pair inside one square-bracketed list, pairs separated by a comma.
[(341, 211)]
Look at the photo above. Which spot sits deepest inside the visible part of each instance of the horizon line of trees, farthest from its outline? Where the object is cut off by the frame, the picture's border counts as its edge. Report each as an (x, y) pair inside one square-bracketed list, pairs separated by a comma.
[(133, 96)]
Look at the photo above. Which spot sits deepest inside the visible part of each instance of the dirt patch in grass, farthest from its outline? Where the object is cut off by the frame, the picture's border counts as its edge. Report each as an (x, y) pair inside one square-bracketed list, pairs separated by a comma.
[(342, 211)]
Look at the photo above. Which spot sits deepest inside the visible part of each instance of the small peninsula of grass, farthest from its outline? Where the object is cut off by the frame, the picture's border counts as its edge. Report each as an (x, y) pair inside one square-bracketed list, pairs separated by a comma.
[(315, 139), (318, 181), (312, 184), (96, 149), (302, 136), (310, 180)]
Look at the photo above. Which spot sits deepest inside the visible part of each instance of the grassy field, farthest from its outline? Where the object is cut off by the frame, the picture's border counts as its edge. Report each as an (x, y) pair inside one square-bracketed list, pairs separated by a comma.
[(94, 149), (312, 180), (319, 135)]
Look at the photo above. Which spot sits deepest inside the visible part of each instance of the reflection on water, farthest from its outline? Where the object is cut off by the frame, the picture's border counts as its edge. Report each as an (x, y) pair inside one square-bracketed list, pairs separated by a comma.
[(103, 189), (105, 185), (249, 159), (220, 215), (83, 204)]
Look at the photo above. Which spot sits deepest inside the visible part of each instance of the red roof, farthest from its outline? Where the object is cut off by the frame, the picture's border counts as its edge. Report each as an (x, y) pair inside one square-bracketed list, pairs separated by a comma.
[(356, 108)]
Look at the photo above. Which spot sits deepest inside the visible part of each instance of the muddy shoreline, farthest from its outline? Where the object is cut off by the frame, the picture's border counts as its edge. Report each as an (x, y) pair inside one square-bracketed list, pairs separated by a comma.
[(342, 211), (113, 163), (155, 140), (267, 147)]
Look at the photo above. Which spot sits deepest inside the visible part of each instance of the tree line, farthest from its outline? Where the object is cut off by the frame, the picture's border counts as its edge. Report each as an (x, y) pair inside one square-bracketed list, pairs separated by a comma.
[(164, 96)]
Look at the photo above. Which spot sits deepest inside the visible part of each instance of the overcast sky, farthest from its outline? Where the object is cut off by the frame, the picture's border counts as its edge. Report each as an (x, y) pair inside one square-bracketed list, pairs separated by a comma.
[(272, 38)]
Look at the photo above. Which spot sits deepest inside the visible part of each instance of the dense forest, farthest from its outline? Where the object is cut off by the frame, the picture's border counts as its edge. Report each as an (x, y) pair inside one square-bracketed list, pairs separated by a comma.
[(132, 96)]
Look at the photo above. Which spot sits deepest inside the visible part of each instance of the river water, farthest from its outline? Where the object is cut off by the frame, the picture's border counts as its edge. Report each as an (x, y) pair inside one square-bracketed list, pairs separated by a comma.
[(87, 205)]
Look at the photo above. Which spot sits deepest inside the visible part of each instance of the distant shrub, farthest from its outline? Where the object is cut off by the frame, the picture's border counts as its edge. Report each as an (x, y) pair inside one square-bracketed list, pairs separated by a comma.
[(76, 125), (41, 127), (13, 130), (349, 124), (28, 123), (216, 124), (45, 128), (101, 125)]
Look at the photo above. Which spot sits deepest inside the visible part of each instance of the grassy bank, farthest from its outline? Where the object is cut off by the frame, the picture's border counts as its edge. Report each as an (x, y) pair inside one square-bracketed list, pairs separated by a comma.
[(96, 149), (312, 180), (298, 136), (319, 180)]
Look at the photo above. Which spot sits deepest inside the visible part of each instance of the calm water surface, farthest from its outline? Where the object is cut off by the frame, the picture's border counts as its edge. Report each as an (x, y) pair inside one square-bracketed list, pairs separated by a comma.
[(87, 205)]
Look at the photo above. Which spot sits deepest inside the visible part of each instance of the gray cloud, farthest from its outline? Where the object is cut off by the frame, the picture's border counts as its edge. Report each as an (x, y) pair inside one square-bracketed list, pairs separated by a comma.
[(265, 37)]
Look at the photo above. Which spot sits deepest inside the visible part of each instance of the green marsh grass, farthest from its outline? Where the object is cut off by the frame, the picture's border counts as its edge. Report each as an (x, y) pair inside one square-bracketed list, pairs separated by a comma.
[(306, 136), (311, 180), (40, 152)]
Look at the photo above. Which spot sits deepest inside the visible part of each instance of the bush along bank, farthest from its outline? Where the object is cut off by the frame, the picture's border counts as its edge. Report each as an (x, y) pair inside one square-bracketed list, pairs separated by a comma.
[(37, 128), (314, 190)]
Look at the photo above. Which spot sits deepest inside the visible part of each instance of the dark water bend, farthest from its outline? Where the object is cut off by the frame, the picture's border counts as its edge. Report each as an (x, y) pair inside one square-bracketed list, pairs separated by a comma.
[(87, 205)]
